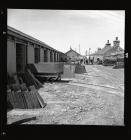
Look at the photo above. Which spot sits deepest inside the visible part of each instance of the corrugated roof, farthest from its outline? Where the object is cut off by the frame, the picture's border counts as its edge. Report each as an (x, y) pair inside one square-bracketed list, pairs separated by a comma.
[(28, 37)]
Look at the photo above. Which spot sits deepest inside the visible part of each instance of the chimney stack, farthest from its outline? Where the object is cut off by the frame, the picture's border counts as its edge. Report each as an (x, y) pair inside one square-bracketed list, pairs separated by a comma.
[(99, 49), (108, 44), (116, 43)]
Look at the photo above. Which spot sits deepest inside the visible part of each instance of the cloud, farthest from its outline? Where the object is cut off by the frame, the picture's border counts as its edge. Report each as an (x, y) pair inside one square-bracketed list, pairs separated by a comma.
[(62, 28), (97, 14)]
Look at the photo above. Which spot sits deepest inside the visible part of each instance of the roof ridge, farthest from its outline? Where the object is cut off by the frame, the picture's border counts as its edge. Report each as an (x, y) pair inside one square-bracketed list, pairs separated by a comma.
[(74, 51)]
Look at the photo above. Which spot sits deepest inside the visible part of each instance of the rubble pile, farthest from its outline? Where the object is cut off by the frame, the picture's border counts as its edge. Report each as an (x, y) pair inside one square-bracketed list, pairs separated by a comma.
[(80, 69)]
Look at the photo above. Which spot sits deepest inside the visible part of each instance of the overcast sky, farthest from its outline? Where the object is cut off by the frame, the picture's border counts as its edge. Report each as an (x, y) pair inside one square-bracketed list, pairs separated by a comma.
[(64, 28)]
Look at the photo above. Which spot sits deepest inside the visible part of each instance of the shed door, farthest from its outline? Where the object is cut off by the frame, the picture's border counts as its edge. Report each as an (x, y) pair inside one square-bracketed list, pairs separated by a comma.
[(21, 57), (45, 56), (37, 55)]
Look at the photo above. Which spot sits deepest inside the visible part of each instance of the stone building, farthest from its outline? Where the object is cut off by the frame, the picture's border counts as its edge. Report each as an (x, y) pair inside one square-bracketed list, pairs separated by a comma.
[(108, 50), (73, 56)]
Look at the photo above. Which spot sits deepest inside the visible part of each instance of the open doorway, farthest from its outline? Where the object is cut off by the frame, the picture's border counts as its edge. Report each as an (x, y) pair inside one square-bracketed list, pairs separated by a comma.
[(37, 55), (21, 57), (45, 56)]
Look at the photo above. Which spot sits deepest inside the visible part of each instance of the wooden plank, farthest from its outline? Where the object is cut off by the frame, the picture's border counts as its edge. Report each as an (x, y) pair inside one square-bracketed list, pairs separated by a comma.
[(28, 80), (27, 98), (17, 97), (41, 101), (36, 82), (32, 100), (24, 100), (14, 99), (9, 98), (32, 68), (21, 100), (35, 100)]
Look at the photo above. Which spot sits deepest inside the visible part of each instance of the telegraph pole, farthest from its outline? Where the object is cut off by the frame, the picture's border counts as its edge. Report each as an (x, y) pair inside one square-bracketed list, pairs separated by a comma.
[(89, 50), (79, 49), (86, 53), (75, 50)]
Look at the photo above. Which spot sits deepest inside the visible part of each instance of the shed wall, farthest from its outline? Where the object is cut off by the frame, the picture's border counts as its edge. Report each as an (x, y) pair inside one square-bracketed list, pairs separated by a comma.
[(11, 57)]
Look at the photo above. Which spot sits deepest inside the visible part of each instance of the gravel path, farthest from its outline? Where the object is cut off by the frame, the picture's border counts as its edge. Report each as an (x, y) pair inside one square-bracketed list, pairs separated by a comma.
[(93, 98)]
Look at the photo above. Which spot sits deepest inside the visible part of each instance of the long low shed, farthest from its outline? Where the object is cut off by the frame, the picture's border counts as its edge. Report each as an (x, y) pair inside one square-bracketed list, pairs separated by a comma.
[(23, 49)]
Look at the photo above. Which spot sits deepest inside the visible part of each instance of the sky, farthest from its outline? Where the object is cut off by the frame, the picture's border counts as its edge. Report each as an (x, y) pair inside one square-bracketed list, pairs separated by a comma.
[(62, 29)]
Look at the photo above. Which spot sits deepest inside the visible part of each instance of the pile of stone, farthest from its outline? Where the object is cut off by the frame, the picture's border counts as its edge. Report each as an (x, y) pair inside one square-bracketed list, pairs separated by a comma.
[(80, 69)]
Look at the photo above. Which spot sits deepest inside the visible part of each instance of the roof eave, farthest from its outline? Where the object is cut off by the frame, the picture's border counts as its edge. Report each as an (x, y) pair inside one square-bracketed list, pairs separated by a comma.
[(13, 31)]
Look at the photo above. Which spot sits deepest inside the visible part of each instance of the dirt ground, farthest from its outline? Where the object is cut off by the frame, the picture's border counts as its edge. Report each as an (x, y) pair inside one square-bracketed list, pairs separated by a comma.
[(93, 98)]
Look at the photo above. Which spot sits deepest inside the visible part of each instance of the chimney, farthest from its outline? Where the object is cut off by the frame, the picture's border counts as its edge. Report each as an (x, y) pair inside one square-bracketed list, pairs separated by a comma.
[(116, 43), (108, 44), (99, 49)]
